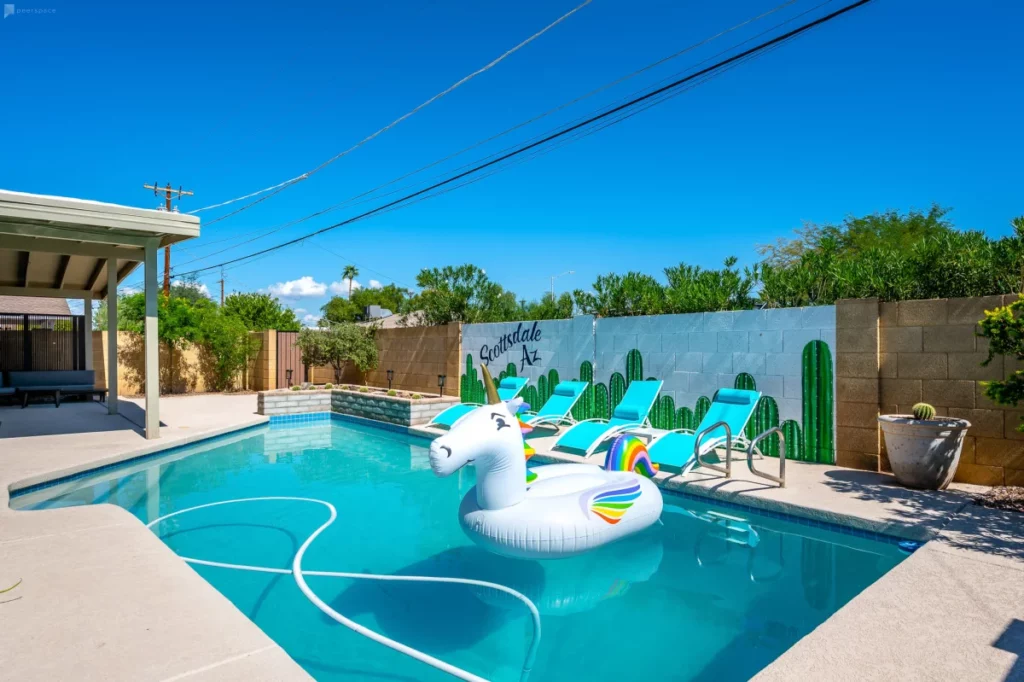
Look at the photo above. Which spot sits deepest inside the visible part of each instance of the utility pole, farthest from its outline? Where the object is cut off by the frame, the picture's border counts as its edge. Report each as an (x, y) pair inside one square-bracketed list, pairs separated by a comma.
[(169, 192), (567, 272), (222, 286)]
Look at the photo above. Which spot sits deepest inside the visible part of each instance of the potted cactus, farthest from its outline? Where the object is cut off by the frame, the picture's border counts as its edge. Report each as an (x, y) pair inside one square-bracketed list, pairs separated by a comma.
[(924, 450)]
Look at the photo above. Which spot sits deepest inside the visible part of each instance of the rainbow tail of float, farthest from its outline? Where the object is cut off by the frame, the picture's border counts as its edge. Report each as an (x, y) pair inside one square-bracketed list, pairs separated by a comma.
[(629, 453)]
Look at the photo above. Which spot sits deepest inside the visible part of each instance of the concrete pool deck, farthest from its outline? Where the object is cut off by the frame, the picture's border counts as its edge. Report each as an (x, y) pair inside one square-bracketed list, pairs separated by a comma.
[(101, 596), (953, 610)]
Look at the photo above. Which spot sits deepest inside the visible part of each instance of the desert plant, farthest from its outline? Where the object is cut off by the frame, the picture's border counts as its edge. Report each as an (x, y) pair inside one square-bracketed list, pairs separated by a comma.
[(328, 385), (296, 388), (416, 396), (392, 392), (311, 387), (816, 374), (923, 411), (364, 389)]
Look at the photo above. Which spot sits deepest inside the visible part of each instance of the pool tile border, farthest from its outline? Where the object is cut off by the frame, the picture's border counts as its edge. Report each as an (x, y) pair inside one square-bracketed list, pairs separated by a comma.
[(291, 420)]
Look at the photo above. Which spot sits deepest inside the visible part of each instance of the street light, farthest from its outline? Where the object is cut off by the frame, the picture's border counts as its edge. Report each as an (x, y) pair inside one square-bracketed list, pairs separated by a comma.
[(440, 382), (567, 272), (391, 375)]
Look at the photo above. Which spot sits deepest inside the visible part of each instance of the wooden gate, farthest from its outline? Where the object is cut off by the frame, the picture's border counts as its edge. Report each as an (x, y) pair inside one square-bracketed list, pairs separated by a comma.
[(289, 359)]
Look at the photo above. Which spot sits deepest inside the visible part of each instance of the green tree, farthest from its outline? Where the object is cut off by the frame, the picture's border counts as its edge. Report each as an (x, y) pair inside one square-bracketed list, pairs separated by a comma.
[(462, 294), (692, 289), (340, 309), (350, 273), (337, 346), (1004, 329), (548, 308), (231, 347), (622, 295), (259, 311)]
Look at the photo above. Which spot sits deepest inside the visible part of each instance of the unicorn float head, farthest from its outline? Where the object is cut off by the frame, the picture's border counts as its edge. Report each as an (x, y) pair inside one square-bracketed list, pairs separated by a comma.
[(491, 439)]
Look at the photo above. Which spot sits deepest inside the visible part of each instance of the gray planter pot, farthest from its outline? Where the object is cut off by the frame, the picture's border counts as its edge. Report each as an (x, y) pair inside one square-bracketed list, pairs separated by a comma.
[(923, 453)]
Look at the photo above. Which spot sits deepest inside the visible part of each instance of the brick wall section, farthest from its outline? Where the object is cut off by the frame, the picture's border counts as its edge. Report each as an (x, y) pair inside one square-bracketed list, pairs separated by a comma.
[(932, 354), (857, 383), (925, 351)]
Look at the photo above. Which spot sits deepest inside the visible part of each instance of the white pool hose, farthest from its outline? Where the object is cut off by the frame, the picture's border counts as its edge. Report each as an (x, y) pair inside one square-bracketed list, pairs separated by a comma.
[(299, 574)]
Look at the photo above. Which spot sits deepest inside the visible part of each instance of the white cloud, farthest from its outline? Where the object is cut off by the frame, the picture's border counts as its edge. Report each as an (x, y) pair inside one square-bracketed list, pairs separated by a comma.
[(341, 288), (299, 311), (374, 284), (298, 288), (310, 320)]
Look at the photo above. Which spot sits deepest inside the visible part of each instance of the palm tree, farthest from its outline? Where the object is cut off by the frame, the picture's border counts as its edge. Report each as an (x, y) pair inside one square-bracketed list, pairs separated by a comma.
[(350, 273)]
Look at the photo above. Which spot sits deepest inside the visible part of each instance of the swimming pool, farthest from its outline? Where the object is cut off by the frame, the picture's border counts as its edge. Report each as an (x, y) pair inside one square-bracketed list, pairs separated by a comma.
[(715, 593)]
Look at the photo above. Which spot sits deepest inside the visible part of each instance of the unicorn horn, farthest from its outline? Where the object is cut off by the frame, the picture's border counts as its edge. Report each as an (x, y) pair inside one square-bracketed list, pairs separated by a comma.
[(492, 393)]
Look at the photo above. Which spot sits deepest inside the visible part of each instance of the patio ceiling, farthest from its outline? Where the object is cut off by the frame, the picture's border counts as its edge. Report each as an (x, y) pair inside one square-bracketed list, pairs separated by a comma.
[(56, 246)]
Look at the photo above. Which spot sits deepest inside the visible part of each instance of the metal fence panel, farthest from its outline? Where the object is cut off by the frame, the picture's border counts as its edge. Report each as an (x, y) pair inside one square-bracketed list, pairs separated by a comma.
[(42, 342)]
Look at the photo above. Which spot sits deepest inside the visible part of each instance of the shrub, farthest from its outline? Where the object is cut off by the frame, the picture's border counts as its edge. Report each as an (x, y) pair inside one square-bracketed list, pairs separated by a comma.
[(416, 396), (1004, 329), (230, 345), (296, 388), (311, 387), (328, 385), (392, 392), (364, 389)]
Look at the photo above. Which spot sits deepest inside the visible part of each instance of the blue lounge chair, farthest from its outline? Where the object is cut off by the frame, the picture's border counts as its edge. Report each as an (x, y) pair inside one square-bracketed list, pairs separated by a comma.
[(558, 408), (679, 448), (629, 415), (508, 388)]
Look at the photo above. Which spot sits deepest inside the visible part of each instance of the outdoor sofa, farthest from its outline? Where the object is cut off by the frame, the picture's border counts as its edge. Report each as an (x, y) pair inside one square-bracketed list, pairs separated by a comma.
[(56, 383)]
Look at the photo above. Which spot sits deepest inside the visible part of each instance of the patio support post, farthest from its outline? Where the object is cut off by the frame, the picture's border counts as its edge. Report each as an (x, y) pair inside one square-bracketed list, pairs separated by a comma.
[(87, 314), (112, 335), (152, 346)]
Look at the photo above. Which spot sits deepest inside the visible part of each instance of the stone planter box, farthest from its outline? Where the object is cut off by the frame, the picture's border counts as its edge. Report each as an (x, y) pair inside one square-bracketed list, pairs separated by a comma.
[(272, 403), (390, 409), (375, 404)]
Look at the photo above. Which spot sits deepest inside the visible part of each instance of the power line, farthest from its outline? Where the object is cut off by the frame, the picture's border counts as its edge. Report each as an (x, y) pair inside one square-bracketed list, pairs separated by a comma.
[(760, 48), (280, 187), (277, 228)]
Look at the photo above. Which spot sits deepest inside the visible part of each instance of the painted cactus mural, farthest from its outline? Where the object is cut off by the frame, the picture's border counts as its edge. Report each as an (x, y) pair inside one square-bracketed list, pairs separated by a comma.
[(818, 405), (584, 407), (766, 416), (471, 387), (794, 439), (701, 409), (634, 367), (685, 419), (663, 416), (602, 403), (745, 382), (616, 389)]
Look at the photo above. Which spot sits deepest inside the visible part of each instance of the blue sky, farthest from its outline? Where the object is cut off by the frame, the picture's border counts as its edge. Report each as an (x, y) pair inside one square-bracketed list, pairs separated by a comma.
[(899, 104)]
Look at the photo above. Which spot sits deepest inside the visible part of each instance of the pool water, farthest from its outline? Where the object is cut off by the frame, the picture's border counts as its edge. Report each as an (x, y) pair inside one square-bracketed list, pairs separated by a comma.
[(713, 593)]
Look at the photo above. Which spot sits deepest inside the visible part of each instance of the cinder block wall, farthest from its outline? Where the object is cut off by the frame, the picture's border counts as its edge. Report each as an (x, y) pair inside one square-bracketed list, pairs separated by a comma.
[(925, 351)]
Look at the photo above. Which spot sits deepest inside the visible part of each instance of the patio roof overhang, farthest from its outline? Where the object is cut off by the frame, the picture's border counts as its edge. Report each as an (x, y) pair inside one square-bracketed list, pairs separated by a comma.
[(61, 247), (74, 248)]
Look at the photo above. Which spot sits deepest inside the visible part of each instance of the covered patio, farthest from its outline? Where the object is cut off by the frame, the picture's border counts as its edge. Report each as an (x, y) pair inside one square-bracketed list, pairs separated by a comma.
[(59, 247)]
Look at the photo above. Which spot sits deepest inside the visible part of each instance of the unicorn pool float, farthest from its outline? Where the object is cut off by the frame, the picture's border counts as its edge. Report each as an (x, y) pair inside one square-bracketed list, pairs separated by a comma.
[(551, 511)]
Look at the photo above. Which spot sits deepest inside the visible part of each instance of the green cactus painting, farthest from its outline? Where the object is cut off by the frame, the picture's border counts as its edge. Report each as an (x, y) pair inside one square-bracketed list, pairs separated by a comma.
[(745, 382), (542, 391), (509, 371), (530, 397), (701, 409), (663, 416), (584, 407), (766, 416), (818, 406), (471, 387), (552, 382), (602, 406), (634, 367), (616, 389), (685, 420), (794, 439)]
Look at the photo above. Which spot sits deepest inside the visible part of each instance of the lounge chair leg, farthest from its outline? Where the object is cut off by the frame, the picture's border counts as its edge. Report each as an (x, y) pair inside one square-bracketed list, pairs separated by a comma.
[(24, 400), (56, 398)]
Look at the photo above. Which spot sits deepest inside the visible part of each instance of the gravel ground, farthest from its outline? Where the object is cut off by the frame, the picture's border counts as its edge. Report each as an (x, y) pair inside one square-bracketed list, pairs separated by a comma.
[(1004, 497)]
